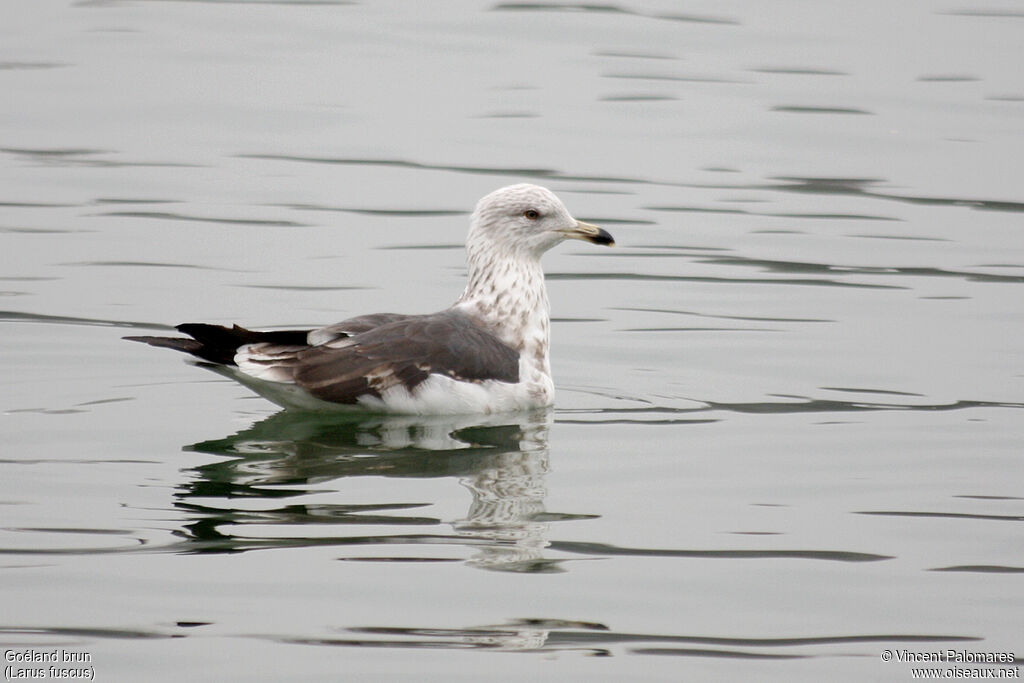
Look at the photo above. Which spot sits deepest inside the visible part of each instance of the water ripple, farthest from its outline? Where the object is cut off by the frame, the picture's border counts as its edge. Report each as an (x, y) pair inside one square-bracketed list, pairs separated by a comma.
[(813, 185), (610, 9), (536, 634), (590, 548), (402, 213), (798, 109), (811, 267), (673, 78), (773, 319), (13, 65), (24, 316), (652, 277), (168, 216), (401, 163), (942, 515), (84, 157), (83, 632), (798, 71), (819, 216), (981, 569), (860, 187), (546, 634), (793, 405)]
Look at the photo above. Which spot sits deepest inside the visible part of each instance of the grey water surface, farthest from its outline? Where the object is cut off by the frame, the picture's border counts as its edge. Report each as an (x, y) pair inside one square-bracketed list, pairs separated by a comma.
[(789, 427)]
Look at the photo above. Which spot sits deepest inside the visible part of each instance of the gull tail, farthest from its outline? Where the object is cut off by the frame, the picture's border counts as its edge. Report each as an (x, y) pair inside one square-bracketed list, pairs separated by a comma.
[(219, 344)]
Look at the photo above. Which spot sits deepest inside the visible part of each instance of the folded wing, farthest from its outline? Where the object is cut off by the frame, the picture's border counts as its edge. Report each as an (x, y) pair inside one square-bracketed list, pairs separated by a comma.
[(352, 361)]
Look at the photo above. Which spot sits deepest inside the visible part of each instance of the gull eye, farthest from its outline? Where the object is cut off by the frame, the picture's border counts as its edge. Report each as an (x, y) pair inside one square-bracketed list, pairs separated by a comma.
[(531, 214)]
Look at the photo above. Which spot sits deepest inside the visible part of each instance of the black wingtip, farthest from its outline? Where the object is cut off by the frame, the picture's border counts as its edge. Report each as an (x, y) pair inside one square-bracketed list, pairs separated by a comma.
[(218, 344), (214, 346), (176, 343)]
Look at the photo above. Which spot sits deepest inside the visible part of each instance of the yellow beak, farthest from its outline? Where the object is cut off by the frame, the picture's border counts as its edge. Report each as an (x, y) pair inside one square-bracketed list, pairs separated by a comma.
[(590, 233)]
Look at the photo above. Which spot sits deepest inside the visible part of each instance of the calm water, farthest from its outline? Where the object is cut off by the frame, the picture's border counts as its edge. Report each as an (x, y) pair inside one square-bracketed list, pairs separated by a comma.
[(790, 420)]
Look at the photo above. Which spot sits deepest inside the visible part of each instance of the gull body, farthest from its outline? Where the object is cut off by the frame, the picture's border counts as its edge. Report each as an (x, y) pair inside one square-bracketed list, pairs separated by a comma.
[(487, 353)]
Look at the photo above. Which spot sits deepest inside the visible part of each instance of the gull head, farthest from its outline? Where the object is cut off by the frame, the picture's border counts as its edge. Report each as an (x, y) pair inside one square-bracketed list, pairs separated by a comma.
[(527, 220)]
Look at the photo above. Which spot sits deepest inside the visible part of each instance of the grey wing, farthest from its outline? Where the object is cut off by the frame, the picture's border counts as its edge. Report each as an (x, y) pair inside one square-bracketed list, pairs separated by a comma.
[(276, 362), (351, 327), (405, 352)]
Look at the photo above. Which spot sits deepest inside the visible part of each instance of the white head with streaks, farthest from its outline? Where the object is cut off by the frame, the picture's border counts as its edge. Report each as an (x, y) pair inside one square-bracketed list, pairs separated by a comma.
[(524, 221)]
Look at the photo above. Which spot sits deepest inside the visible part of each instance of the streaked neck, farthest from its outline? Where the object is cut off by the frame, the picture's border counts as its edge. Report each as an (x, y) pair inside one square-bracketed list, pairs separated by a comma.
[(509, 296)]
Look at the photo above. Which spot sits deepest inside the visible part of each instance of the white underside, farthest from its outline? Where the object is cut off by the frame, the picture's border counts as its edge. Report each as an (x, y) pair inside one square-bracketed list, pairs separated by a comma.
[(437, 395)]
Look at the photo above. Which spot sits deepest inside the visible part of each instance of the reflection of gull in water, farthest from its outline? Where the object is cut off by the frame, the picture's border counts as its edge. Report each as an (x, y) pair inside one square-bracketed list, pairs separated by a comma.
[(508, 504), (501, 460), (516, 635)]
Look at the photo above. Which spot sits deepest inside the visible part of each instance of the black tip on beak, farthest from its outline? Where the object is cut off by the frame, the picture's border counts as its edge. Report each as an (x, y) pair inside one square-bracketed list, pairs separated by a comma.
[(591, 233), (603, 237)]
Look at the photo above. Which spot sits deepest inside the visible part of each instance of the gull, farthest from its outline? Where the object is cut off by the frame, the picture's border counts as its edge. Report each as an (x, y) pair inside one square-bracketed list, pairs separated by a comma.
[(486, 353)]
